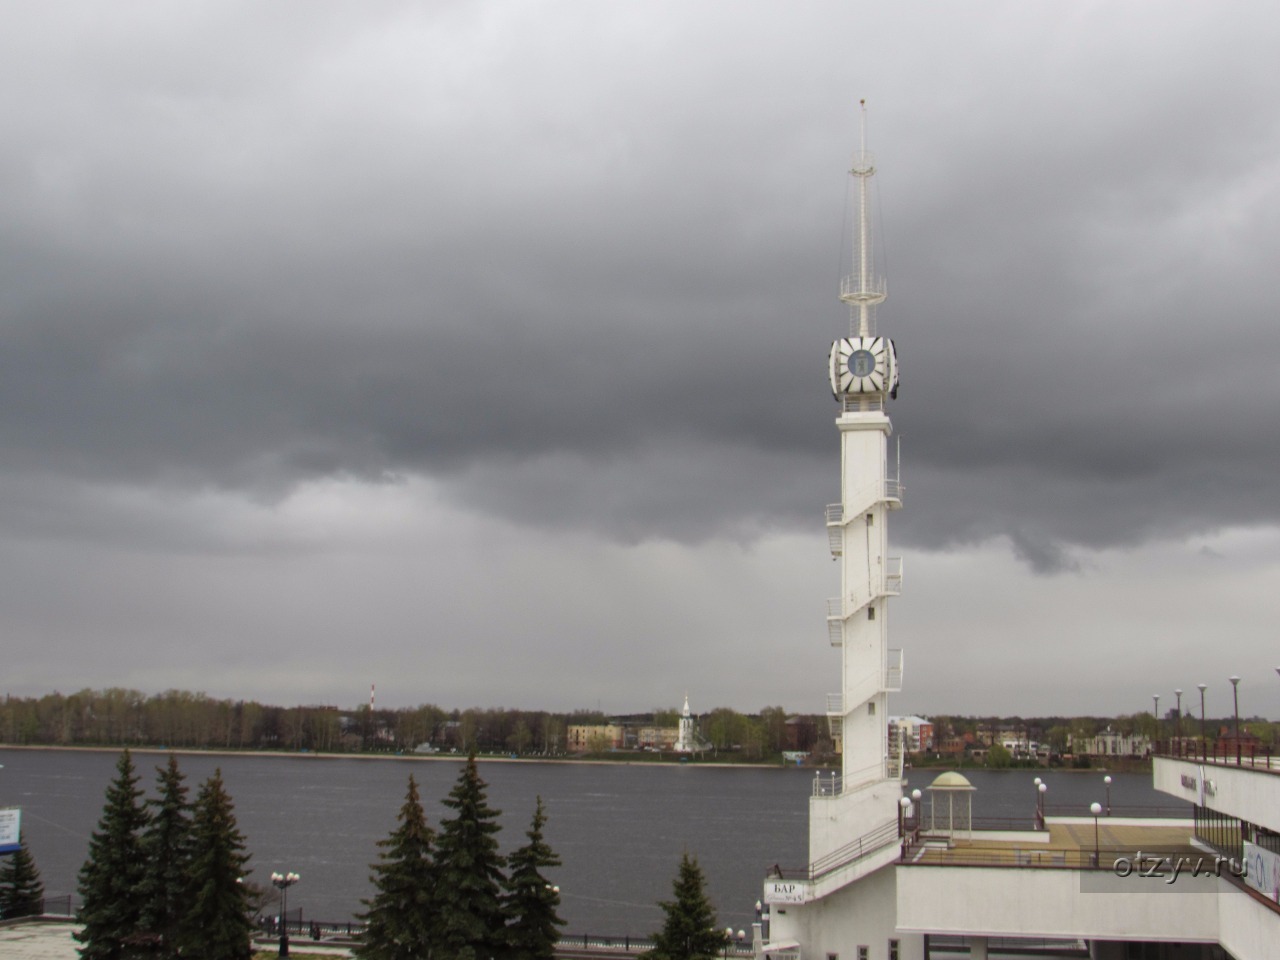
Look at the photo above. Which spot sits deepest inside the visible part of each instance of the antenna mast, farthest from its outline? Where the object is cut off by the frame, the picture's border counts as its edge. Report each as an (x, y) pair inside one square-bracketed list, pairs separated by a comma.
[(862, 290)]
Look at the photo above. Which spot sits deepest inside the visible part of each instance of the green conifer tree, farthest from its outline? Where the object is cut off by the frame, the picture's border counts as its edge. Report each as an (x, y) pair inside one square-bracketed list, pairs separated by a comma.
[(469, 874), (689, 932), (401, 918), (112, 875), (531, 900), (215, 924), (21, 892), (166, 845)]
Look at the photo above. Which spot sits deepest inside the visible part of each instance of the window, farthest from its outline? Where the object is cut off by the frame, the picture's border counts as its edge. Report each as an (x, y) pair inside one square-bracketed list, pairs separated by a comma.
[(863, 953), (893, 950), (871, 613), (871, 709)]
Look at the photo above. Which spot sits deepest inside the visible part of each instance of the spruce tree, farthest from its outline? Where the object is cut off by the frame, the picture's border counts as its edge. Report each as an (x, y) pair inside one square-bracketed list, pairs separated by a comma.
[(21, 892), (531, 900), (400, 920), (689, 932), (112, 875), (469, 874), (215, 924), (166, 844)]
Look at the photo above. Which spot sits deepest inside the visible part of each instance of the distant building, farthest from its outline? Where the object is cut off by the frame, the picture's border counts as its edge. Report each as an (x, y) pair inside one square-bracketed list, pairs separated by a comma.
[(589, 738), (687, 738), (1109, 743), (915, 734)]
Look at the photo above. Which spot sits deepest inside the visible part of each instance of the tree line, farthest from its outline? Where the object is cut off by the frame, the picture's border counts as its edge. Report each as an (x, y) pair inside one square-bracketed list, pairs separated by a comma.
[(181, 719)]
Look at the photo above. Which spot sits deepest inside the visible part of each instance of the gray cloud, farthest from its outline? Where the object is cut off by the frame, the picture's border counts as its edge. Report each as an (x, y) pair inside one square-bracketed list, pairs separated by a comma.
[(576, 268)]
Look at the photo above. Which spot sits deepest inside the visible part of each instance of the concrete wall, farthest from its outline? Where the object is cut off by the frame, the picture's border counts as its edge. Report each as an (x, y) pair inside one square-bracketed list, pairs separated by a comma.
[(1236, 791), (836, 821), (978, 901), (860, 914), (1247, 928)]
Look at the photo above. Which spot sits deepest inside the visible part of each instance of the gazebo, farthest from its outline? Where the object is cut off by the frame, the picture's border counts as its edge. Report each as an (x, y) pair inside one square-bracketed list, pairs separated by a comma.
[(951, 806)]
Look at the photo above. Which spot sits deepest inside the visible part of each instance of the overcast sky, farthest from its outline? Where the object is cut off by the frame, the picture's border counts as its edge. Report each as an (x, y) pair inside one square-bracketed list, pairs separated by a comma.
[(478, 349)]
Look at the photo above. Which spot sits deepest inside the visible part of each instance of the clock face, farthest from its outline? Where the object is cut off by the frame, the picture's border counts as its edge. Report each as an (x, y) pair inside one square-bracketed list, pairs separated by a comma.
[(862, 365)]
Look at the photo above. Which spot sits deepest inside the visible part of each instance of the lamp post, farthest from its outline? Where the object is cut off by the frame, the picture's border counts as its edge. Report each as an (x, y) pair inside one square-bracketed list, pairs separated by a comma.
[(903, 804), (1107, 780), (1095, 809), (283, 881), (1177, 729), (1202, 687), (1235, 697)]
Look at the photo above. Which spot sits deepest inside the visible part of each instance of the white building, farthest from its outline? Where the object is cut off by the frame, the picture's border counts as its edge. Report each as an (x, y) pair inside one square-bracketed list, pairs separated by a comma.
[(915, 734)]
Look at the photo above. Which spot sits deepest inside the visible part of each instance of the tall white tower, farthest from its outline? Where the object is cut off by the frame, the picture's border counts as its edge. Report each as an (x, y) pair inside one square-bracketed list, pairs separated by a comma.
[(864, 374), (844, 903)]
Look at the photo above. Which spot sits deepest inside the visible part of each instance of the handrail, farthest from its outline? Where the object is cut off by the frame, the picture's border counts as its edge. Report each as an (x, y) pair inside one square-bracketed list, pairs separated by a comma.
[(851, 852), (1224, 752)]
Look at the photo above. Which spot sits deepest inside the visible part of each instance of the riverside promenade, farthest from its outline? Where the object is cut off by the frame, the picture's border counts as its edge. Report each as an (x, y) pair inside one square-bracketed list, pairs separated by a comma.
[(54, 941)]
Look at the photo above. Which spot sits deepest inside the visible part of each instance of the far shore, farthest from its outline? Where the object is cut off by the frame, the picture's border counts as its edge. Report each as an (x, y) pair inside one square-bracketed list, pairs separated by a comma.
[(452, 757), (1140, 766)]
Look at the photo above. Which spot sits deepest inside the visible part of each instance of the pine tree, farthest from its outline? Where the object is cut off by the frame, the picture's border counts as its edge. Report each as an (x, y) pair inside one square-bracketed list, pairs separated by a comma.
[(112, 875), (401, 916), (531, 900), (215, 924), (469, 874), (166, 844), (21, 892), (689, 932)]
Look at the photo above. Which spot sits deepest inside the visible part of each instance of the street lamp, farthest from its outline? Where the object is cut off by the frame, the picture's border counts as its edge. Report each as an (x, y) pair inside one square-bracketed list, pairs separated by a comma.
[(283, 881), (1235, 696), (1107, 781), (1202, 687), (1178, 721), (1095, 809), (904, 803)]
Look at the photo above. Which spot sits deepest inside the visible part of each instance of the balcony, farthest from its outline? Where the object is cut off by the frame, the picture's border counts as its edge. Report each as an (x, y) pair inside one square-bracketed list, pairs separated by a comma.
[(893, 672), (893, 576), (835, 621)]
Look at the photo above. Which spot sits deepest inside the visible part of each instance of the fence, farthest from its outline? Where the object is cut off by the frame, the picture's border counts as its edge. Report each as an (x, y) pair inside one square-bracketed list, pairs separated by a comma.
[(1226, 752)]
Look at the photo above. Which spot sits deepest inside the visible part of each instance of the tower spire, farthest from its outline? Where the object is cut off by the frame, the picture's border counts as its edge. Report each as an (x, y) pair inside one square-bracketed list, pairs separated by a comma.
[(862, 289)]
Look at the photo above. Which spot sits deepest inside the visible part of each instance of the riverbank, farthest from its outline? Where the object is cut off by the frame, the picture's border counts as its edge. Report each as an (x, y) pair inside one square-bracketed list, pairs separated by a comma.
[(621, 760)]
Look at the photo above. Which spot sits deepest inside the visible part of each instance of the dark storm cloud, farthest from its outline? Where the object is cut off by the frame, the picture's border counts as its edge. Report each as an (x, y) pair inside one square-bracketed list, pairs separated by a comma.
[(581, 291)]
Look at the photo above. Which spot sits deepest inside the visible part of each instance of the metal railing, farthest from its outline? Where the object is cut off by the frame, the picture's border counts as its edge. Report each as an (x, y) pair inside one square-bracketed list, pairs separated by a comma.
[(44, 907), (917, 853), (893, 575), (850, 853), (893, 671), (349, 931), (1227, 751)]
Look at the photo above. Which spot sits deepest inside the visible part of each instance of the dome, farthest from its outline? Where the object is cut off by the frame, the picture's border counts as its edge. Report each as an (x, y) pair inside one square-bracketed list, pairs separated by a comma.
[(951, 780)]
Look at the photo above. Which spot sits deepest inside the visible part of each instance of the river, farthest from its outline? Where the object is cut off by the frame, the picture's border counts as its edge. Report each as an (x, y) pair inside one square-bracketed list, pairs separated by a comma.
[(619, 828)]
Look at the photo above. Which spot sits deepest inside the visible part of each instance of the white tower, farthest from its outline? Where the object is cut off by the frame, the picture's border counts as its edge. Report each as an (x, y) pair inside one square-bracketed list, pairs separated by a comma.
[(686, 739), (864, 374), (845, 902)]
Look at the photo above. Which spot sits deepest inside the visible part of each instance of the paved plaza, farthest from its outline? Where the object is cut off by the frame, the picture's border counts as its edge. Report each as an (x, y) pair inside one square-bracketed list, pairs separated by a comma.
[(53, 941)]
